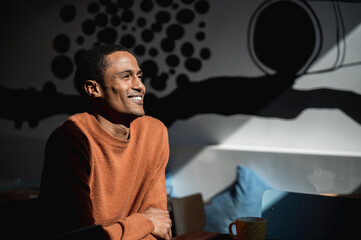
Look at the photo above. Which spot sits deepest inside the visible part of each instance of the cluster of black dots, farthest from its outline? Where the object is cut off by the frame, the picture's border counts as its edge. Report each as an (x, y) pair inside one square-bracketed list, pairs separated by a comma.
[(114, 22)]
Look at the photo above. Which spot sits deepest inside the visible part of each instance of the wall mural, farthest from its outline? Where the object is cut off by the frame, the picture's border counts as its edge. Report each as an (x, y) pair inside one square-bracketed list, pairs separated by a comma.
[(283, 50)]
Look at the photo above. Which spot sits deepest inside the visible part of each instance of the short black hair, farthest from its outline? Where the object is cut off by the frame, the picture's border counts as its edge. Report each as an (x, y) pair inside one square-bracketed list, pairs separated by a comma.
[(92, 64)]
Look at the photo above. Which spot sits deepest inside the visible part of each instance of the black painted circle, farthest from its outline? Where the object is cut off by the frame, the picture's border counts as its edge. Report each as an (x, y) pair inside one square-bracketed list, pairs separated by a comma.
[(164, 3), (182, 80), (187, 49), (153, 52), (107, 35), (111, 8), (290, 35), (139, 50), (147, 35), (125, 4), (205, 53), (80, 40), (167, 45), (141, 22), (93, 7), (128, 41), (200, 36), (175, 31), (185, 16), (62, 66), (146, 5), (101, 19), (88, 27), (201, 7), (61, 43), (68, 13), (172, 60), (127, 16), (49, 87), (193, 64), (175, 6), (163, 17)]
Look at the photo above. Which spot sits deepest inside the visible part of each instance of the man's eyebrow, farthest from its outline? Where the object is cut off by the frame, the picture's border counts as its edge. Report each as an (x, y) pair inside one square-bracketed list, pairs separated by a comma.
[(129, 71), (125, 71)]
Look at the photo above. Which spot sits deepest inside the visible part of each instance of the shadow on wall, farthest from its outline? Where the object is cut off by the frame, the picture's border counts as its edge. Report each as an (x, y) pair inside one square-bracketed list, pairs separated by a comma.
[(283, 50)]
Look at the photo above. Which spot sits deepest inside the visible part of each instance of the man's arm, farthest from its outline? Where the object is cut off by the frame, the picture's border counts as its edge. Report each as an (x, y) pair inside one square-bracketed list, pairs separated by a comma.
[(64, 189)]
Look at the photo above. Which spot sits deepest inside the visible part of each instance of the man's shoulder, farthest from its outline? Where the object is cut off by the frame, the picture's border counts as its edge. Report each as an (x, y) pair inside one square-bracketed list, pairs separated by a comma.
[(80, 117), (72, 125), (149, 121)]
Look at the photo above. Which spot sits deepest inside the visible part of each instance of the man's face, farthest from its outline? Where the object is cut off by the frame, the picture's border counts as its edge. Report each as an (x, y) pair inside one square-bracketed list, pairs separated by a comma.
[(123, 89)]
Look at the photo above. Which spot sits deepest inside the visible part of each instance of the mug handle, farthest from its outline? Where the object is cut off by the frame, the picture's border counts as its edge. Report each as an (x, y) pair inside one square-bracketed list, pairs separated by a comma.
[(230, 230)]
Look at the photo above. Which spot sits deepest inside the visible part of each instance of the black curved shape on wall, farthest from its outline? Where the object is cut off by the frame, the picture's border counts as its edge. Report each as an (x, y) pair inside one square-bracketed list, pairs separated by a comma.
[(254, 97)]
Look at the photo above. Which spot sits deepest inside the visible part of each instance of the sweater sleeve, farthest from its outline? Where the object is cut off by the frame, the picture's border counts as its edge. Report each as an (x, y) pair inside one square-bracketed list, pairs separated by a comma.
[(135, 226), (64, 189)]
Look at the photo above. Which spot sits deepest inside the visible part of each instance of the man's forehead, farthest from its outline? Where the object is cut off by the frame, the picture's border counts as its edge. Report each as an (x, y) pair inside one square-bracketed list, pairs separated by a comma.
[(119, 62), (122, 58)]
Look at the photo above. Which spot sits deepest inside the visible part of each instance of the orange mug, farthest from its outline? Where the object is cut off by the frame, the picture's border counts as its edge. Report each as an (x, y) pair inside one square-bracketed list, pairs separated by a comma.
[(249, 228)]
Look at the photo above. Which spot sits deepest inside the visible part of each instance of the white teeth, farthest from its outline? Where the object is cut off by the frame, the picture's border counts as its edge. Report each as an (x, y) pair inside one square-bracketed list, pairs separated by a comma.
[(137, 98)]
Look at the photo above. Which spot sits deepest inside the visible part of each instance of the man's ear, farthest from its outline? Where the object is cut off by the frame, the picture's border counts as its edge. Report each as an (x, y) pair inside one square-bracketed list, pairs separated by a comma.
[(92, 88)]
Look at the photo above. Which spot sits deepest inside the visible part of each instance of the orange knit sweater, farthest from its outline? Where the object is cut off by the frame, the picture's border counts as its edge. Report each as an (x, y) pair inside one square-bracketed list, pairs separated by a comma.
[(91, 177)]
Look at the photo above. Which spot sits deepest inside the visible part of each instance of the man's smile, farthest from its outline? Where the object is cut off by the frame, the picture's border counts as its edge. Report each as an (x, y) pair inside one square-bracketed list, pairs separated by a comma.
[(137, 99)]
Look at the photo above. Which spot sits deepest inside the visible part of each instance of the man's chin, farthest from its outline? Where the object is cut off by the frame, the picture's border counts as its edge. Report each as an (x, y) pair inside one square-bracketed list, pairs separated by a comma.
[(138, 114)]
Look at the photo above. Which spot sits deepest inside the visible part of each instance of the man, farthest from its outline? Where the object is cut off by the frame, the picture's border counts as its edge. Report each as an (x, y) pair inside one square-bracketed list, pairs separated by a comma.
[(107, 166)]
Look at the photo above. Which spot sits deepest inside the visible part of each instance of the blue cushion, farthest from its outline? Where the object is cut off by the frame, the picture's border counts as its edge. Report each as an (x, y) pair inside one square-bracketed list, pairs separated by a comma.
[(243, 198)]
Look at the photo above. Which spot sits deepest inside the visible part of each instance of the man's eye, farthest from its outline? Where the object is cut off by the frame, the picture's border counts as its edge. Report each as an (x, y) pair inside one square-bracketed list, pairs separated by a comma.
[(126, 76)]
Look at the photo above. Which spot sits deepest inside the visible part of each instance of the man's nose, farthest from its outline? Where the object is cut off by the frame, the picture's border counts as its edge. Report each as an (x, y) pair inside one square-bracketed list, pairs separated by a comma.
[(137, 84)]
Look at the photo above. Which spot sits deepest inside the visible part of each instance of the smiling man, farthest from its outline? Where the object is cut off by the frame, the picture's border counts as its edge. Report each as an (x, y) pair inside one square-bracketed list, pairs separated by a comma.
[(107, 166)]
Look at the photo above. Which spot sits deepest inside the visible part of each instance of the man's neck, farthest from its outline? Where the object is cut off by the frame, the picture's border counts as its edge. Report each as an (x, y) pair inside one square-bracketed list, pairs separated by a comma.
[(117, 130)]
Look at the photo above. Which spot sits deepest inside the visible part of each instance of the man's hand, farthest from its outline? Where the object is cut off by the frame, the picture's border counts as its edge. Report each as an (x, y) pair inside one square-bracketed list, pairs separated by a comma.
[(161, 221)]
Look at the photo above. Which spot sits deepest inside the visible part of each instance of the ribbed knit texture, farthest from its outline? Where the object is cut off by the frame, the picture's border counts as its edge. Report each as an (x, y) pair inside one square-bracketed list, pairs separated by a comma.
[(91, 177)]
